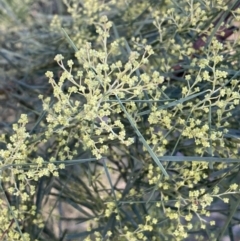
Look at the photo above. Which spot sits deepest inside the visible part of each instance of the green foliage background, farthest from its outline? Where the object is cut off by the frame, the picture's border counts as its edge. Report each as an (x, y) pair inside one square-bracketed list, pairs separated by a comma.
[(125, 113)]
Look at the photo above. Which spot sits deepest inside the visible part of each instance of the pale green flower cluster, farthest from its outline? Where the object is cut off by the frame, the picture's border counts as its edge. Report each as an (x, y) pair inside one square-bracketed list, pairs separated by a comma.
[(96, 87)]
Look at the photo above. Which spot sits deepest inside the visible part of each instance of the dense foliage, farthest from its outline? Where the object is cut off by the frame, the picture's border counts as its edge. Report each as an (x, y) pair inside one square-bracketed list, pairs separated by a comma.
[(120, 120)]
